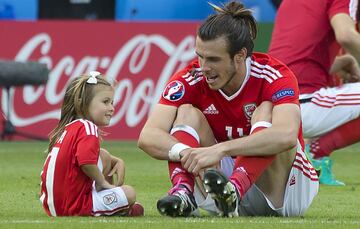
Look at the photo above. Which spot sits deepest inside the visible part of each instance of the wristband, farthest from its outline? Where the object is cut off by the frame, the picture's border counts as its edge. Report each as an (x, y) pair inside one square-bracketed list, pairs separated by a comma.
[(174, 152)]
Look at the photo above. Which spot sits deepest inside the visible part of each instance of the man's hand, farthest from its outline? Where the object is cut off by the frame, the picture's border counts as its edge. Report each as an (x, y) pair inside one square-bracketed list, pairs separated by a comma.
[(347, 67), (194, 160)]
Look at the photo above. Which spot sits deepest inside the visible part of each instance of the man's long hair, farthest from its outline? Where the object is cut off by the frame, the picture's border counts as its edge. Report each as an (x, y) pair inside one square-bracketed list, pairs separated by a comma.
[(234, 22)]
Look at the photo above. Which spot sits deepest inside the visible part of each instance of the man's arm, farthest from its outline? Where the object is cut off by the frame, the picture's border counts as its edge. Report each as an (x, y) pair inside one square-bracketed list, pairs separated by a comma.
[(347, 67), (346, 34), (280, 137), (154, 138)]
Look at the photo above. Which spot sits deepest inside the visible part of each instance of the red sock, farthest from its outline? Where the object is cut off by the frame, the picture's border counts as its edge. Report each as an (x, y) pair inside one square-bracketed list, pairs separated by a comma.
[(344, 135), (248, 169), (176, 171)]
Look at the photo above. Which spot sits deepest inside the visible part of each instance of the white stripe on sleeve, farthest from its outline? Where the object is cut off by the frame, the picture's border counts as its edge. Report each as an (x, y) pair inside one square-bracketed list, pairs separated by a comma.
[(50, 180)]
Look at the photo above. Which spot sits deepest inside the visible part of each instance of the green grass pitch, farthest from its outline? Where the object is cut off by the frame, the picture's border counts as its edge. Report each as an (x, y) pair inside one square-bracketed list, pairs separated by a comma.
[(21, 163)]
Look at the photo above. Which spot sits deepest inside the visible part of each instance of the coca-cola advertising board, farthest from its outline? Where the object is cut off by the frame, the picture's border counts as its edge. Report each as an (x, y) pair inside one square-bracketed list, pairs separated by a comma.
[(140, 57)]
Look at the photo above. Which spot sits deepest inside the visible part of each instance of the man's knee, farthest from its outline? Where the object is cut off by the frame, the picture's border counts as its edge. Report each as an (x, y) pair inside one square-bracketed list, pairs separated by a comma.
[(189, 115), (262, 113), (190, 118)]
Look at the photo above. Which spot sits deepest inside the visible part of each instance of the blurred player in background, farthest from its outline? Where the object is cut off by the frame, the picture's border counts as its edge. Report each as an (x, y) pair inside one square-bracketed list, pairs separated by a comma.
[(276, 3), (237, 112), (307, 37), (77, 178)]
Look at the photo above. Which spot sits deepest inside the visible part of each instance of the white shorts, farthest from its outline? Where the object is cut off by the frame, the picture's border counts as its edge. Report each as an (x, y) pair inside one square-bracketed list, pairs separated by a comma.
[(330, 108), (302, 187), (108, 201)]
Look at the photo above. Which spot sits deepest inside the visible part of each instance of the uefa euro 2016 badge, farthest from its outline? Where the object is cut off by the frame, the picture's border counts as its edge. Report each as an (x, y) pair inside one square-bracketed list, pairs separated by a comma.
[(174, 91)]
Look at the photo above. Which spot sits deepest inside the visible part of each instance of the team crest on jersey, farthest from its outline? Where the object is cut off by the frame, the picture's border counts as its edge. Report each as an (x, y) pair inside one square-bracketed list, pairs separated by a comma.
[(249, 109), (292, 180), (174, 91), (110, 198)]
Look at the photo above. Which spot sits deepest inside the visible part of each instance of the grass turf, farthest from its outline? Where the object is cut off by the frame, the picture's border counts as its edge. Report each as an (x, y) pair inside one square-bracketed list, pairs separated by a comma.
[(21, 163)]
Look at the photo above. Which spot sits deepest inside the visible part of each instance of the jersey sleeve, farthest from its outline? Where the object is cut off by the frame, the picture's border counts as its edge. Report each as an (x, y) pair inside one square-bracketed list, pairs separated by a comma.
[(183, 87), (339, 6), (88, 147), (282, 90)]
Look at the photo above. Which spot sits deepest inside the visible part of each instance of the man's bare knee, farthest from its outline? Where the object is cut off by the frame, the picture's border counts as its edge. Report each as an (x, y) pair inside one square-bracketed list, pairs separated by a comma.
[(189, 115), (262, 113)]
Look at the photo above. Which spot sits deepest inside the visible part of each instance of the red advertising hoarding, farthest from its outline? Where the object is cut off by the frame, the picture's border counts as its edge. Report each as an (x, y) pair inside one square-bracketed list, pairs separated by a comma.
[(140, 57)]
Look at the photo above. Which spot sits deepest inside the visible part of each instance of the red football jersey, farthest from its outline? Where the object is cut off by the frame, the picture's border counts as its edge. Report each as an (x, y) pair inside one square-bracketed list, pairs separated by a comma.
[(65, 189), (266, 79), (304, 40)]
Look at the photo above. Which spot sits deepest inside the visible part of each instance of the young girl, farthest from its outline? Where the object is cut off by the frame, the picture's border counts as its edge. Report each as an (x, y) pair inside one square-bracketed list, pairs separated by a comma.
[(77, 178)]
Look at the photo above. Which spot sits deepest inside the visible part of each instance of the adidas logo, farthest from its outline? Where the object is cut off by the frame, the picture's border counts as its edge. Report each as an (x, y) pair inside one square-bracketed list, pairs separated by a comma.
[(211, 110), (241, 169)]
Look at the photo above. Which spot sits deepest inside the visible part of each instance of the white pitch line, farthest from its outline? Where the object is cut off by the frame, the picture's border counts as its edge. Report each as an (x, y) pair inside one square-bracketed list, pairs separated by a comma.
[(186, 221)]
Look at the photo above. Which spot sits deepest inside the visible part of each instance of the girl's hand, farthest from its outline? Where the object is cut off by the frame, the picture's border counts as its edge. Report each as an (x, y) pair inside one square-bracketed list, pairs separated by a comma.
[(117, 169), (103, 185), (93, 172)]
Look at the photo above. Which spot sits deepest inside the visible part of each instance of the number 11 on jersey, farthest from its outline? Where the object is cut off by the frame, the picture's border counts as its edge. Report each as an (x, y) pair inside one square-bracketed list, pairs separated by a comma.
[(229, 130)]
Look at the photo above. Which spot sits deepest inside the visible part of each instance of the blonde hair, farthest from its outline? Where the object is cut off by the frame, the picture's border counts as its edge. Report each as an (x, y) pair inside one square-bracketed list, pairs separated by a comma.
[(234, 22), (78, 96)]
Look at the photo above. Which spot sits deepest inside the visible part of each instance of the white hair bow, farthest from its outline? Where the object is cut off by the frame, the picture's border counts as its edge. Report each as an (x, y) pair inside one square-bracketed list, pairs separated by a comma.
[(92, 79)]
